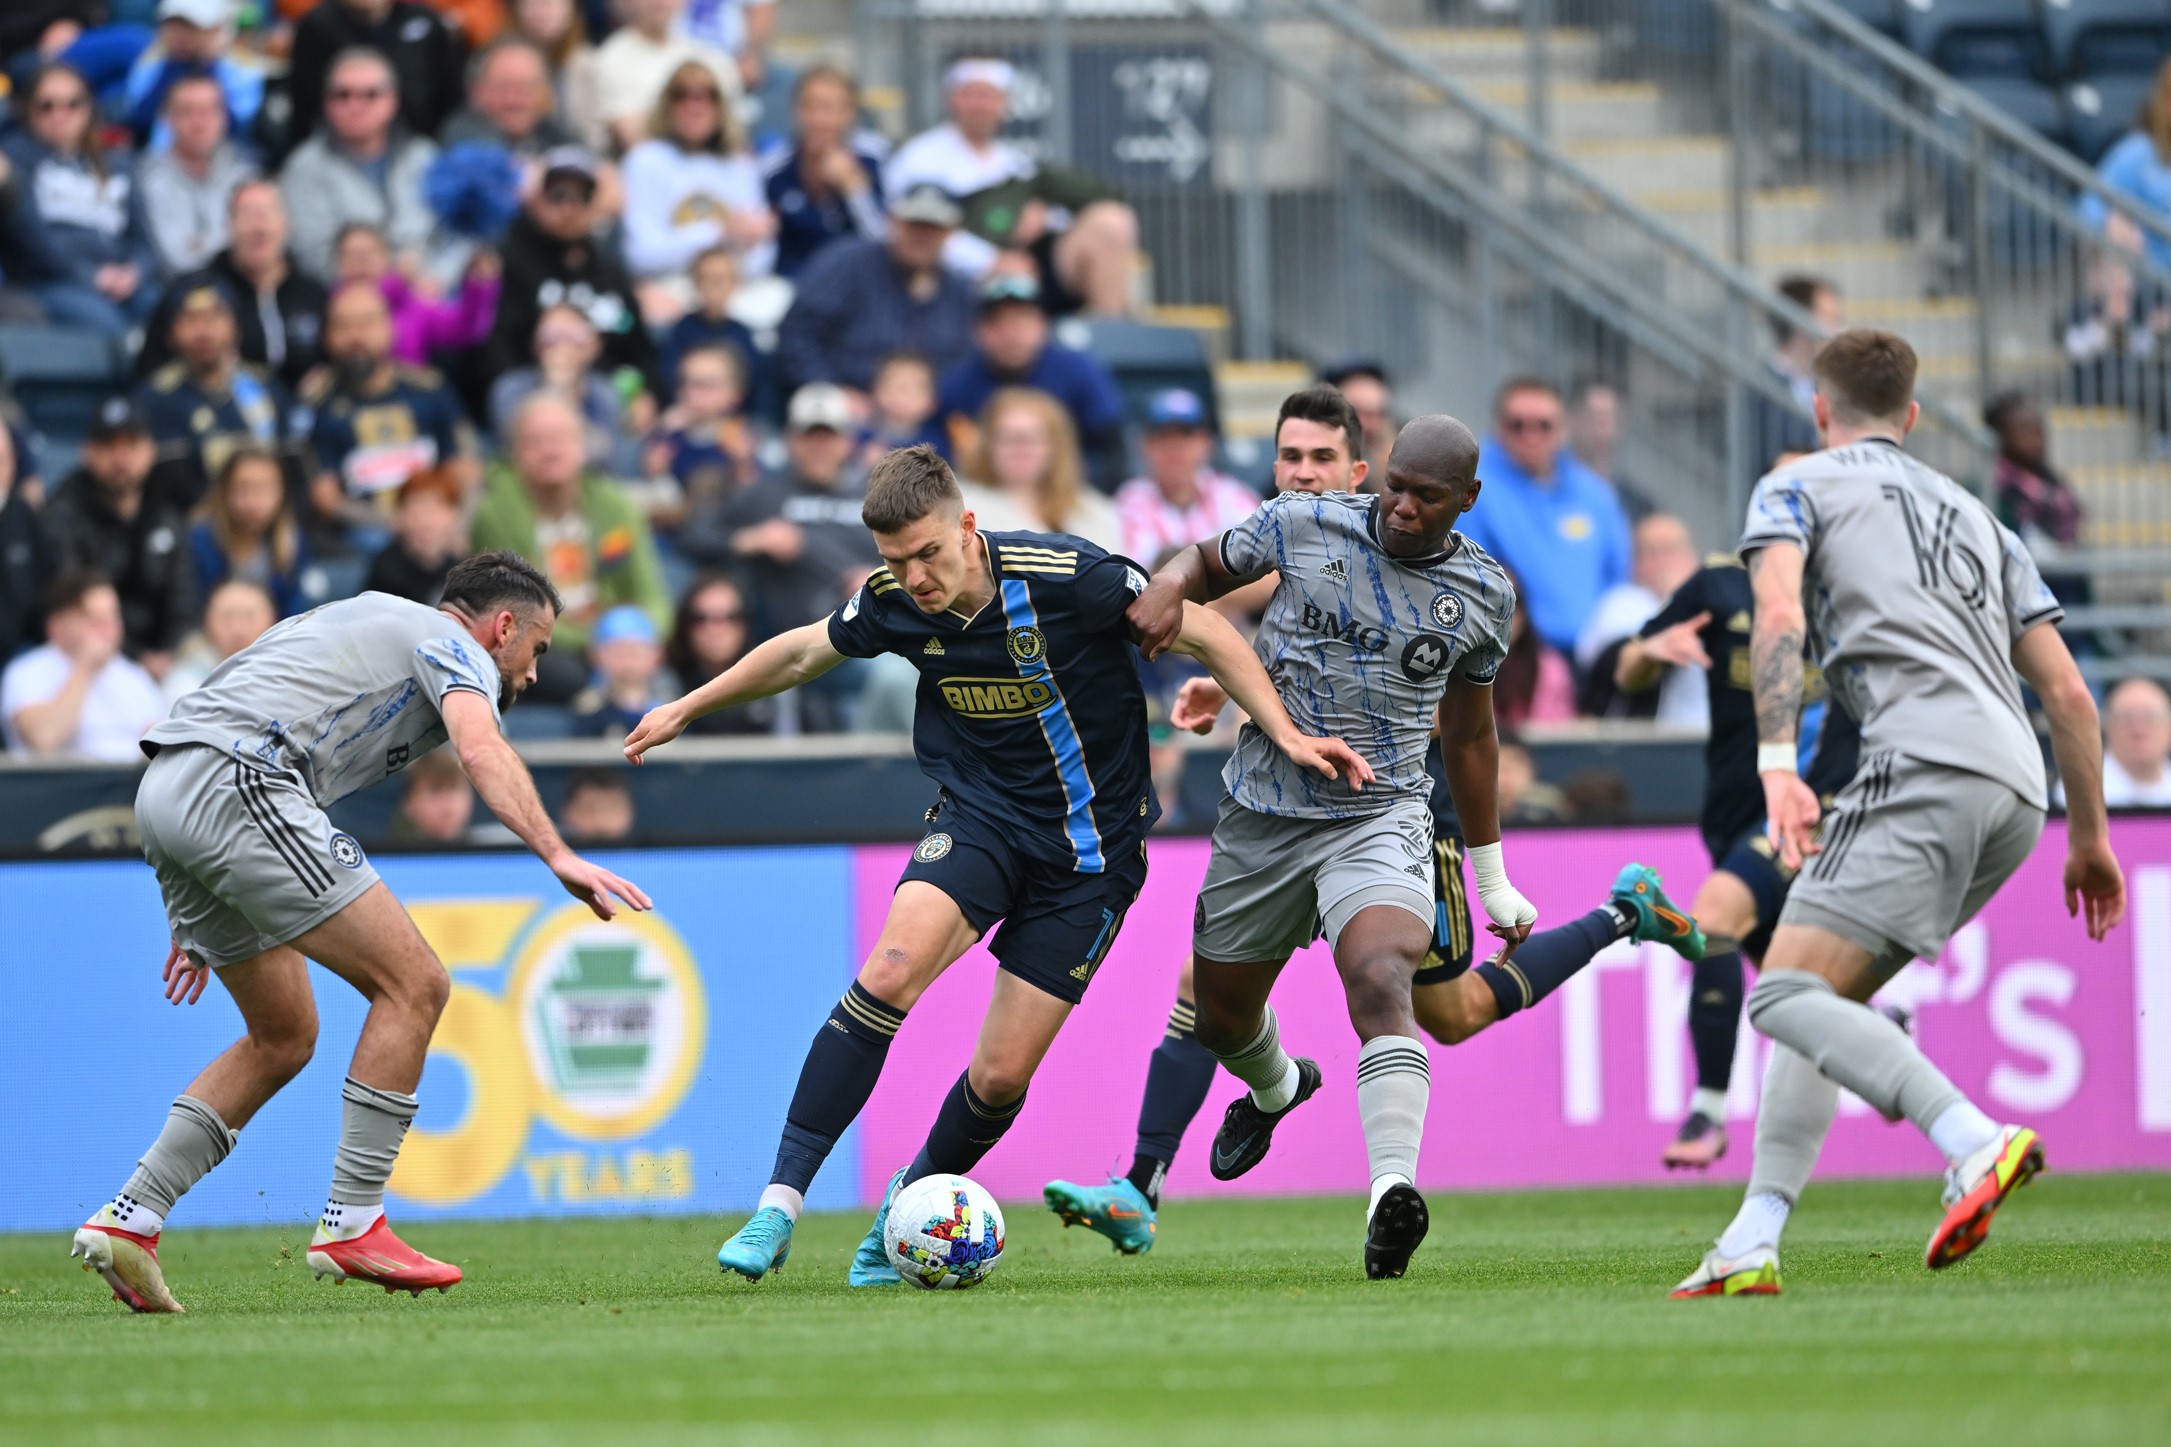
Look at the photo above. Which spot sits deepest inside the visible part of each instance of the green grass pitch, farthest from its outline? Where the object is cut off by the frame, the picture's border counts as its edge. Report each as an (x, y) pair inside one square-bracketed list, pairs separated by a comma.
[(1534, 1318)]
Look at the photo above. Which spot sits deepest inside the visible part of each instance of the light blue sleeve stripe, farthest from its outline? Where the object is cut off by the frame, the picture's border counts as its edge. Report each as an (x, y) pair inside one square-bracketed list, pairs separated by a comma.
[(1810, 734), (1062, 736)]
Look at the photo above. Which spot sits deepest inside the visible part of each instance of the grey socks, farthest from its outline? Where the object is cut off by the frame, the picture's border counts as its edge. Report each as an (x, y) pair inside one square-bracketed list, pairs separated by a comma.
[(372, 1123), (1265, 1066), (194, 1140), (1852, 1044), (1792, 1120), (1394, 1082)]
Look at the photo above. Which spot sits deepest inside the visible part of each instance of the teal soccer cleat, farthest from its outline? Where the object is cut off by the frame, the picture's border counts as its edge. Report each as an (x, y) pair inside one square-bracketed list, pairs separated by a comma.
[(871, 1263), (1637, 891), (1118, 1210), (760, 1246)]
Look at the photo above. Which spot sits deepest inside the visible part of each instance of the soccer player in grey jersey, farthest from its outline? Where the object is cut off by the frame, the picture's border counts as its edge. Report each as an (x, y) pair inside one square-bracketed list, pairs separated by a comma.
[(257, 882), (1925, 614), (1382, 617)]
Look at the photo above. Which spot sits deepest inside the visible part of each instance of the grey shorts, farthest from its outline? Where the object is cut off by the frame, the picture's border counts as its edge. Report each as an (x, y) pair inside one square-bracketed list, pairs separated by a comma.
[(1911, 852), (1274, 885), (245, 858)]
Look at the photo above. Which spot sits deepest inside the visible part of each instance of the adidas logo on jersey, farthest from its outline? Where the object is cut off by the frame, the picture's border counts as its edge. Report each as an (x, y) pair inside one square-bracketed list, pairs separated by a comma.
[(1335, 570), (1739, 623), (1083, 972), (933, 648)]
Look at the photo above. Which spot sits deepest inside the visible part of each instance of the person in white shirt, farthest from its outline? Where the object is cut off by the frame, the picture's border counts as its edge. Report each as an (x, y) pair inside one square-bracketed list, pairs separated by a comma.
[(634, 65), (1088, 250), (1180, 500), (2137, 756), (692, 186), (77, 695), (1665, 558), (188, 187)]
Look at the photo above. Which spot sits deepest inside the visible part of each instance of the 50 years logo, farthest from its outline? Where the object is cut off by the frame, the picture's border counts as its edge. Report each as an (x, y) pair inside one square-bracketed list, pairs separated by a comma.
[(599, 1031)]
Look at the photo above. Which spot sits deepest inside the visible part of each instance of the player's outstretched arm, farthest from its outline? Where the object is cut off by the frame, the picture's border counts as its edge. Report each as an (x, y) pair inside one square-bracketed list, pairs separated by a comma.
[(784, 662), (2092, 875), (1643, 661), (502, 780), (1775, 670), (1470, 757), (1195, 575), (1215, 643)]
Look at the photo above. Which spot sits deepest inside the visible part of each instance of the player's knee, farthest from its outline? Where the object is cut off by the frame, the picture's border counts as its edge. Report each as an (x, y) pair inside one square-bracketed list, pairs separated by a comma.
[(1000, 1079), (1442, 1014), (893, 975), (1378, 992), (1223, 1031), (286, 1046)]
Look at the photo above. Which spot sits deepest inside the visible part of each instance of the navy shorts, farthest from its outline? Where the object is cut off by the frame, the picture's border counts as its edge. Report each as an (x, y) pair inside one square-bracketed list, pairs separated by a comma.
[(1752, 860), (1453, 944), (1057, 924)]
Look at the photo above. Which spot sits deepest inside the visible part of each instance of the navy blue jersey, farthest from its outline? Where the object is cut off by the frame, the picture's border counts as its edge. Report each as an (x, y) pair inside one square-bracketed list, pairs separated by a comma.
[(1030, 712), (1829, 740), (374, 441)]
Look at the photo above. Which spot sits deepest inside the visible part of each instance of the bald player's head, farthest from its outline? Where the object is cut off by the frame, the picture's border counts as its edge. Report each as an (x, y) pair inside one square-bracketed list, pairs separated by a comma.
[(1431, 481)]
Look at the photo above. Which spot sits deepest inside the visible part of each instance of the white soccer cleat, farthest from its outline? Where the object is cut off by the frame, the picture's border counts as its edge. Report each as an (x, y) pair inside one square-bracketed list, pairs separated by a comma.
[(1976, 1187), (1753, 1273), (128, 1262)]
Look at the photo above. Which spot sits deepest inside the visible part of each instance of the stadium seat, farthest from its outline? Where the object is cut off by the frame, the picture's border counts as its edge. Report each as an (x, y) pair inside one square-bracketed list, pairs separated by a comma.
[(1978, 39), (1145, 359), (2102, 109), (2029, 102), (1879, 15), (60, 375), (539, 721), (2090, 39)]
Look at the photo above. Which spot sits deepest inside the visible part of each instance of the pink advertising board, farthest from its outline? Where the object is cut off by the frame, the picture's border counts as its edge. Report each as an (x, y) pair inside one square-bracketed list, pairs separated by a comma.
[(2028, 1016)]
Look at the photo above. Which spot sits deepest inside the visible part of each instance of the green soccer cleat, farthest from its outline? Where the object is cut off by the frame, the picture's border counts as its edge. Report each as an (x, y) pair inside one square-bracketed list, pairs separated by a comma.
[(1637, 891), (760, 1246), (1118, 1210), (871, 1262)]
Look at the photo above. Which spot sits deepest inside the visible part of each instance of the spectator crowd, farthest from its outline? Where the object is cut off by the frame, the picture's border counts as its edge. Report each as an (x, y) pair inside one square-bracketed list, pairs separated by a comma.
[(612, 287)]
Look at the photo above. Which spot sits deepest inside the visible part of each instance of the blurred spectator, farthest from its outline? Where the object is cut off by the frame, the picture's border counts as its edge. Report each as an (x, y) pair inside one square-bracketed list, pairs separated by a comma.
[(691, 186), (1535, 684), (2137, 737), (281, 315), (1665, 558), (903, 404), (1776, 427), (796, 536), (638, 60), (710, 634), (577, 526), (101, 520), (45, 28), (437, 804), (1549, 519), (428, 537), (627, 656), (362, 166), (188, 186), (425, 55), (1597, 797), (703, 449), (2138, 167), (709, 323), (553, 255), (207, 401), (24, 569), (1181, 500), (1594, 435), (1364, 382), (1081, 239), (75, 237), (2116, 337), (566, 352), (859, 301), (377, 422), (246, 531), (236, 615), (77, 695), (1524, 797), (1024, 476), (598, 807), (741, 29), (2033, 498), (827, 184), (555, 28), (509, 102), (195, 42), (425, 327), (1012, 348), (477, 22)]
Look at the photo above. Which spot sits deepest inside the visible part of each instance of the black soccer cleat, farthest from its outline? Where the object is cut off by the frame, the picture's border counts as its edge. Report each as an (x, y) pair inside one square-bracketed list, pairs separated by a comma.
[(1398, 1225), (1247, 1131)]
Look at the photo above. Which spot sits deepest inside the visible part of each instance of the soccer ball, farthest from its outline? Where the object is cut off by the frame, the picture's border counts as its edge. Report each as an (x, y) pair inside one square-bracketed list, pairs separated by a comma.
[(944, 1233)]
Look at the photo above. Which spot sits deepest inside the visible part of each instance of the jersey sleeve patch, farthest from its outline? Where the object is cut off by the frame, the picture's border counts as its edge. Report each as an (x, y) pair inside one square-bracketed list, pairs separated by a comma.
[(444, 665), (854, 629), (1780, 511), (2028, 599)]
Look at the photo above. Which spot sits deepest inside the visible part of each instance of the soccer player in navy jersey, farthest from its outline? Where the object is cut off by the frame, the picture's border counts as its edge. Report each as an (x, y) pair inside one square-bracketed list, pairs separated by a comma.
[(1032, 723)]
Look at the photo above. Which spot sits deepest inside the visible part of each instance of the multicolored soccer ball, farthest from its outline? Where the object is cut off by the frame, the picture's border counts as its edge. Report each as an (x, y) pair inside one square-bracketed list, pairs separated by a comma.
[(944, 1233)]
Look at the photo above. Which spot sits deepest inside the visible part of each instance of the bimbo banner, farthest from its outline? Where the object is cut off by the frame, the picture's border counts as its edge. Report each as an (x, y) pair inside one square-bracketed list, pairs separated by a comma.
[(645, 1065)]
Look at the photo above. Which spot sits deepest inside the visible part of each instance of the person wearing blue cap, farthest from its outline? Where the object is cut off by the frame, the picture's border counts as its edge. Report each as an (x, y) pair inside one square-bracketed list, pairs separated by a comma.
[(1012, 348), (628, 659), (1181, 499)]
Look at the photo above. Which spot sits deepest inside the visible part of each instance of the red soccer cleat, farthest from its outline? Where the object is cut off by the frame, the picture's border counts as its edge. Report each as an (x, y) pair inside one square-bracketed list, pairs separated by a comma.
[(1977, 1187), (379, 1256)]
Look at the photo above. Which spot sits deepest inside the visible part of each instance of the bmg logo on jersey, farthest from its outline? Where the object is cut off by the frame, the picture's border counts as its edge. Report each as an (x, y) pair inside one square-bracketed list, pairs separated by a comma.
[(1355, 632)]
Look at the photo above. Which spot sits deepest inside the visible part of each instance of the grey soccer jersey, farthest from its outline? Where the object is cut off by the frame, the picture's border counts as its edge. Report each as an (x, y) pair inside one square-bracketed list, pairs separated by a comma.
[(343, 696), (1360, 645), (1915, 595)]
